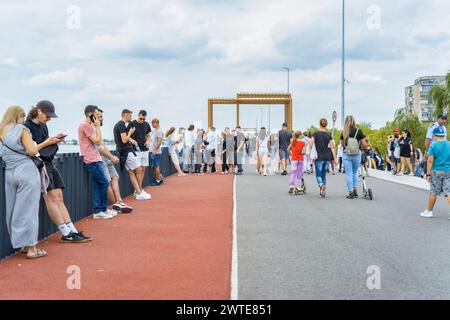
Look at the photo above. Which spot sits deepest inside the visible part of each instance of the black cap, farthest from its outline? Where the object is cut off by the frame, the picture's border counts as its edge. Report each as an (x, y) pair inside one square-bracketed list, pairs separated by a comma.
[(47, 107), (285, 124), (442, 116)]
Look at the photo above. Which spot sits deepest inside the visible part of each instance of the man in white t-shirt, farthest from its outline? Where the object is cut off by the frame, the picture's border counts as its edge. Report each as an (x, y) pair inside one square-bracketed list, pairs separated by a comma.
[(155, 151), (189, 141), (211, 146)]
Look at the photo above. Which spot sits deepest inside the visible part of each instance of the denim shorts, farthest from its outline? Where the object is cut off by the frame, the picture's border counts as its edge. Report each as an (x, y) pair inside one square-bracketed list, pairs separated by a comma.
[(284, 154), (440, 183), (155, 160)]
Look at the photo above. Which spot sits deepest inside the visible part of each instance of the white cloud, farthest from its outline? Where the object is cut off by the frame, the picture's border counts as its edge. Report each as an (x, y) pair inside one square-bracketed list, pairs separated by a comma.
[(8, 61), (70, 78)]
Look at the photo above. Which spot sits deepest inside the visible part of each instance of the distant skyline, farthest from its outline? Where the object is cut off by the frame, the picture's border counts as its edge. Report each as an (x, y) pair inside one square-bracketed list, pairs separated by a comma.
[(169, 57)]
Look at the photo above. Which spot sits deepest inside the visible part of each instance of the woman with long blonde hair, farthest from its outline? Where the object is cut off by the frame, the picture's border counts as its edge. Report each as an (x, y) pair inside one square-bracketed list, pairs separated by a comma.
[(173, 138), (351, 139), (22, 182)]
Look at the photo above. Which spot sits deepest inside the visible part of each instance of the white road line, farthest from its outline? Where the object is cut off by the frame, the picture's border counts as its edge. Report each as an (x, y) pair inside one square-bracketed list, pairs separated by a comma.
[(234, 254)]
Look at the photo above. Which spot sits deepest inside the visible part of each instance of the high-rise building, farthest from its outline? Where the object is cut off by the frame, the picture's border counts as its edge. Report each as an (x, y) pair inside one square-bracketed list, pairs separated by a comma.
[(417, 97)]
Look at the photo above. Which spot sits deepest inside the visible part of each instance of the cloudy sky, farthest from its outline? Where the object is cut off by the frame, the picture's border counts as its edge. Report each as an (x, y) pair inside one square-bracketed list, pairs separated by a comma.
[(169, 57)]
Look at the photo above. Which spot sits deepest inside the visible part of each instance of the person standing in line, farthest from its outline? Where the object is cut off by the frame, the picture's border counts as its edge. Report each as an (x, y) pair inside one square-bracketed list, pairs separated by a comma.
[(126, 148), (321, 141), (109, 160), (352, 139), (297, 149), (239, 150), (210, 150), (406, 152), (36, 122), (223, 138), (179, 147), (90, 138), (230, 149), (142, 136), (198, 152), (395, 149), (284, 140), (262, 145), (438, 169), (173, 138), (189, 140), (155, 149), (22, 182)]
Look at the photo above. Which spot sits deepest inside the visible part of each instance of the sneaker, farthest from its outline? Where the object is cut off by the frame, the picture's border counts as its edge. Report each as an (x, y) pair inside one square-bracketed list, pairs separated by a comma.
[(350, 196), (355, 194), (112, 212), (73, 238), (155, 184), (143, 196), (427, 214), (122, 207), (102, 216), (82, 235), (135, 194), (145, 192), (400, 174), (291, 190)]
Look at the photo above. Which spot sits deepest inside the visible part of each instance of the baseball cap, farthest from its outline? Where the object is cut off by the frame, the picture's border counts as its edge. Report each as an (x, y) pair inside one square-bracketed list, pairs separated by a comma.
[(47, 107), (396, 130), (442, 116), (285, 124), (439, 132)]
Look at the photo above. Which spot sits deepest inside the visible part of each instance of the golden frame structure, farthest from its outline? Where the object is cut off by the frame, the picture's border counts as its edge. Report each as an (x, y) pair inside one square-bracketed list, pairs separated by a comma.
[(253, 99)]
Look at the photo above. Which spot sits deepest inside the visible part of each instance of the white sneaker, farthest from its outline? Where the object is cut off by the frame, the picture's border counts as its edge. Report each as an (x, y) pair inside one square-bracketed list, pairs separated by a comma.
[(145, 192), (112, 212), (143, 196), (102, 216), (427, 214)]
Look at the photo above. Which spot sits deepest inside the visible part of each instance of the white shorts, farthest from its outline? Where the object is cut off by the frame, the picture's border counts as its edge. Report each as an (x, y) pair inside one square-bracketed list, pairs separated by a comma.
[(143, 158), (134, 161)]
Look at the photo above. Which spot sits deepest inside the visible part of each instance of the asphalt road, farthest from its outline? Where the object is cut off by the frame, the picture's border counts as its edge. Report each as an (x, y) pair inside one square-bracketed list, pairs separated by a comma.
[(304, 247)]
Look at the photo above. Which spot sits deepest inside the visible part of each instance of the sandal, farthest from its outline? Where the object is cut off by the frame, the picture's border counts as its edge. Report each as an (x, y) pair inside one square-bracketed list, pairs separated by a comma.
[(39, 254)]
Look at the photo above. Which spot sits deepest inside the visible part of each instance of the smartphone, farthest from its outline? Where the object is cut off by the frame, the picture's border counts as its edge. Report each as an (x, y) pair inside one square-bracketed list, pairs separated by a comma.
[(93, 118)]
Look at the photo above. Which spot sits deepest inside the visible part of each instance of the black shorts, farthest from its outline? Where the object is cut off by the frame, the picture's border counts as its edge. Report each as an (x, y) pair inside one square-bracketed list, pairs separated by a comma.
[(55, 179)]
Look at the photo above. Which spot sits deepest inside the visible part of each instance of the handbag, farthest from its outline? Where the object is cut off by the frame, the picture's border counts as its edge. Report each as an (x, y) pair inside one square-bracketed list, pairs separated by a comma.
[(36, 160)]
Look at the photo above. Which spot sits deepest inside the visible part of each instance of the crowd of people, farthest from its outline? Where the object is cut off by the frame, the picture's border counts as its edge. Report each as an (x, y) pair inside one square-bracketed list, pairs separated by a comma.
[(28, 152)]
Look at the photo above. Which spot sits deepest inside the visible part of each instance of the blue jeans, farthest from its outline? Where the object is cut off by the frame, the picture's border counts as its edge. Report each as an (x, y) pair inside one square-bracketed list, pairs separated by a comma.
[(351, 165), (100, 186), (321, 171)]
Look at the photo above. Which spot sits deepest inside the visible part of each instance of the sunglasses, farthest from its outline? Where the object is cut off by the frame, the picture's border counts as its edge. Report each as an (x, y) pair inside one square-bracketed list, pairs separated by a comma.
[(142, 119)]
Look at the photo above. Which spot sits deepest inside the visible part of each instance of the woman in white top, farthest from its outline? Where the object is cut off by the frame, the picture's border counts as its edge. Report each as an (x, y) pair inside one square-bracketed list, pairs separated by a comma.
[(172, 139), (262, 145)]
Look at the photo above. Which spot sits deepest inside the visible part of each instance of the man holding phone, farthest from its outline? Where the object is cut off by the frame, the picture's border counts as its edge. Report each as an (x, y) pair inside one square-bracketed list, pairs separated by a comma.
[(126, 148), (36, 122), (90, 138)]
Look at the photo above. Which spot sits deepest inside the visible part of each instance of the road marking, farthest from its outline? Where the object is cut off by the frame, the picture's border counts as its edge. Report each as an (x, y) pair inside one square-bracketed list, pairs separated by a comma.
[(234, 254)]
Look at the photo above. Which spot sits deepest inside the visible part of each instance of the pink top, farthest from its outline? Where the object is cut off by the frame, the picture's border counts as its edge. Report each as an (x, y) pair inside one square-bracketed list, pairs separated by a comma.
[(88, 150)]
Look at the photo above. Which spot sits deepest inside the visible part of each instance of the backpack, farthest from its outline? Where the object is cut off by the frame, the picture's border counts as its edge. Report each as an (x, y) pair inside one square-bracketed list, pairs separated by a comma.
[(353, 145)]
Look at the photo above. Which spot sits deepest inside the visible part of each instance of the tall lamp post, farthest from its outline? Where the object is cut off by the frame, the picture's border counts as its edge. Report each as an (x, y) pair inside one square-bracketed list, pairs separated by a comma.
[(286, 68), (343, 67)]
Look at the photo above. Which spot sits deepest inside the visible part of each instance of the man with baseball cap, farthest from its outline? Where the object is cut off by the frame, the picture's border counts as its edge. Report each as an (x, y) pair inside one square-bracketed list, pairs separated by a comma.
[(429, 139), (438, 169), (36, 122)]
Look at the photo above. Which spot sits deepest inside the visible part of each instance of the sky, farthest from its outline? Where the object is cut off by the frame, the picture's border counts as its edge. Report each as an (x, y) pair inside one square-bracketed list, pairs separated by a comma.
[(169, 57)]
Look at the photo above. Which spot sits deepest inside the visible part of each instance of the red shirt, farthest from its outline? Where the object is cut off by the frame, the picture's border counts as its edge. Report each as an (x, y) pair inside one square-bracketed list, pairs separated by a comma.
[(297, 149)]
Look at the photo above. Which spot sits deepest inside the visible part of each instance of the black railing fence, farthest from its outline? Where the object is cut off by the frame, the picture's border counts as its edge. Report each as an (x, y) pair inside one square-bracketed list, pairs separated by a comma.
[(77, 194)]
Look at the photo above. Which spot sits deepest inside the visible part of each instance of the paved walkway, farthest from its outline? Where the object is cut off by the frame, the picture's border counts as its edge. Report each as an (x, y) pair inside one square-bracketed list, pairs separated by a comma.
[(177, 246), (303, 247), (412, 181)]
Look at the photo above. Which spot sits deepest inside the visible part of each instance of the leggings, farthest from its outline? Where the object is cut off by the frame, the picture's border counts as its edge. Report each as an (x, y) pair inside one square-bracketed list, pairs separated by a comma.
[(296, 173)]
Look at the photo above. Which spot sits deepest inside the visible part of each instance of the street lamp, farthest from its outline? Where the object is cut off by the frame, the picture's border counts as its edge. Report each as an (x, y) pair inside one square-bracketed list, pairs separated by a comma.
[(286, 68), (343, 67)]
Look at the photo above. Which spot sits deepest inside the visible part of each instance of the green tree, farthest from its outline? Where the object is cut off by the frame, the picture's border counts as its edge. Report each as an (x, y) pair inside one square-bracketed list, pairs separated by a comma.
[(440, 94)]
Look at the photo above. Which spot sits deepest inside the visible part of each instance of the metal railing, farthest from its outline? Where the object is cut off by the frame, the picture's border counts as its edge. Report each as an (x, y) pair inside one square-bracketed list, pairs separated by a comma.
[(77, 194)]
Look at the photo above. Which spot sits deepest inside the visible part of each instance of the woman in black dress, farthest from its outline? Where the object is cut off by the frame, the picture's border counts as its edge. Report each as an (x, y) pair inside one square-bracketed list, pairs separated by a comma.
[(406, 152)]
